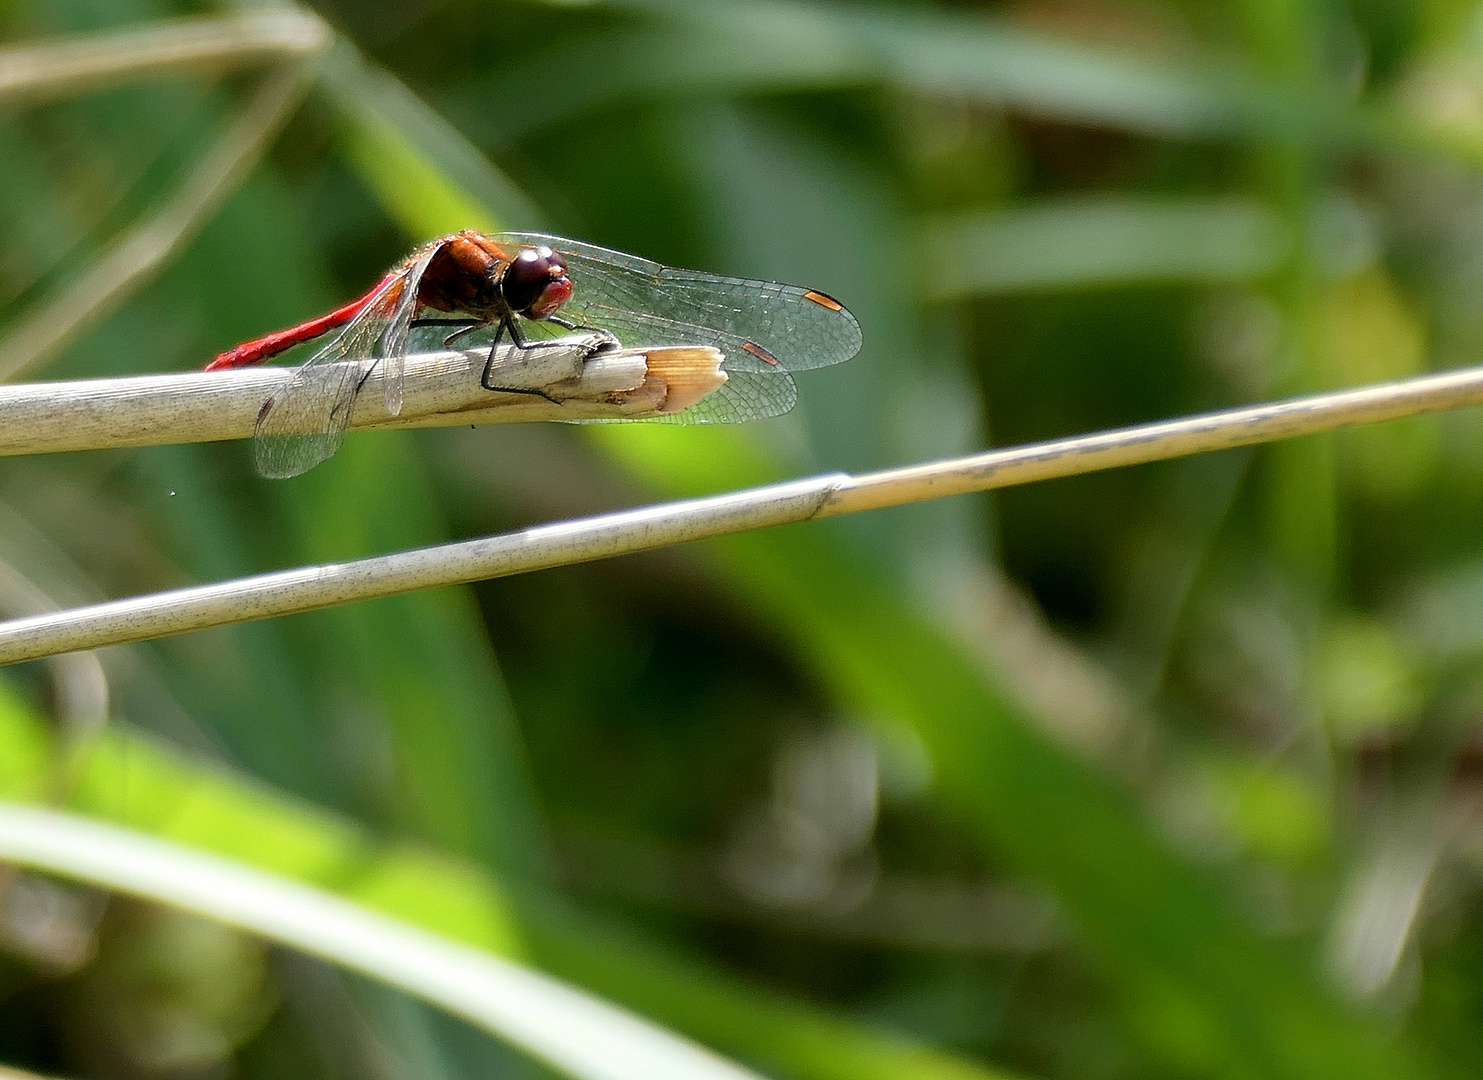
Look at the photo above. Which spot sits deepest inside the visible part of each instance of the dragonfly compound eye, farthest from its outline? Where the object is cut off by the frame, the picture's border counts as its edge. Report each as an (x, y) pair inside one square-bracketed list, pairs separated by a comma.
[(535, 283)]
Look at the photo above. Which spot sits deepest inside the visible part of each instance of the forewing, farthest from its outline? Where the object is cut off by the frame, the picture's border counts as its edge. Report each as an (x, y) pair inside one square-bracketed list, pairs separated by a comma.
[(646, 303), (393, 336), (304, 422)]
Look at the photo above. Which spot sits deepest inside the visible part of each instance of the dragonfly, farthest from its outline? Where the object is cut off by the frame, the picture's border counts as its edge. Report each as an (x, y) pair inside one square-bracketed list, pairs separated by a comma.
[(527, 287)]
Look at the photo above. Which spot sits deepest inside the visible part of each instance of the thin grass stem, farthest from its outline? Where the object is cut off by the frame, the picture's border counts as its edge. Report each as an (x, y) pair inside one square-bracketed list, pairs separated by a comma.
[(145, 247), (542, 547), (47, 70)]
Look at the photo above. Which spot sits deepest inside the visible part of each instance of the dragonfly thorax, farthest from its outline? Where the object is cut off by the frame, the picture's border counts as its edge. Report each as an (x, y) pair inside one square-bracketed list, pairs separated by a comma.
[(470, 273)]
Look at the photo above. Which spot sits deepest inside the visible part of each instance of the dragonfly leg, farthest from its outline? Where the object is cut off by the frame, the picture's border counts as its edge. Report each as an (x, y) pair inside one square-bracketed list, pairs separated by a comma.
[(567, 324), (518, 340), (365, 377), (466, 326), (469, 329)]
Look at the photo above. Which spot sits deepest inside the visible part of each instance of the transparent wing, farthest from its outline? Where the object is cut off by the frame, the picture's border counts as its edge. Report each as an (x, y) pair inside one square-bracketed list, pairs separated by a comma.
[(645, 303), (393, 343), (746, 395), (304, 422)]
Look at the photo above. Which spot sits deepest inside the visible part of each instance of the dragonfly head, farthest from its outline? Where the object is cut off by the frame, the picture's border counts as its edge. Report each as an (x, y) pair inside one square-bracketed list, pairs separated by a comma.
[(535, 284)]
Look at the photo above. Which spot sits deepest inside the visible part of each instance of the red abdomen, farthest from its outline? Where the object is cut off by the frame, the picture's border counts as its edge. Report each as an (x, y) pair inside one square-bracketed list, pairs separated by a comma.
[(265, 348)]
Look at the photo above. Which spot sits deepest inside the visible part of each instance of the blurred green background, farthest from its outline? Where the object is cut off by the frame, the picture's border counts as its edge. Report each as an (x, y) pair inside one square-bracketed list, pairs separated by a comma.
[(1167, 772)]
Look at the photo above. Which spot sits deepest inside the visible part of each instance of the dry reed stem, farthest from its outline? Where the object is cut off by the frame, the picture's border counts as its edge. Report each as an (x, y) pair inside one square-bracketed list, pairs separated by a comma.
[(644, 529), (440, 389)]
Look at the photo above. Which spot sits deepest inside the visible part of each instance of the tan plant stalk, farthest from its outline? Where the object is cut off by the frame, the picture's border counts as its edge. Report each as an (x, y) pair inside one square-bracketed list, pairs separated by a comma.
[(545, 546)]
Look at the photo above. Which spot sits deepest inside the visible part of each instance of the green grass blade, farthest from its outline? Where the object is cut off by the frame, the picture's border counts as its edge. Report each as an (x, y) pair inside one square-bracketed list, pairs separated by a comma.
[(131, 780), (574, 1032), (1080, 243), (765, 46), (1204, 991)]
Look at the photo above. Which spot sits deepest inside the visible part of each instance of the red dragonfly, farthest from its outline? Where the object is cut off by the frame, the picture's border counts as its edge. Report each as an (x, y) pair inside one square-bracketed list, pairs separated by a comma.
[(516, 283)]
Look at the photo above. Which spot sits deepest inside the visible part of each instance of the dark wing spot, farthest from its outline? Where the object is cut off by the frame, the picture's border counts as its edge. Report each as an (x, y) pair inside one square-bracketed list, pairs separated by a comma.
[(760, 353), (823, 300)]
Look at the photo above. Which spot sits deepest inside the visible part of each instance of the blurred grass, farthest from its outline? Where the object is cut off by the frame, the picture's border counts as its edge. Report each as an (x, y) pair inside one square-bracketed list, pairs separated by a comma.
[(131, 781), (1207, 993)]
